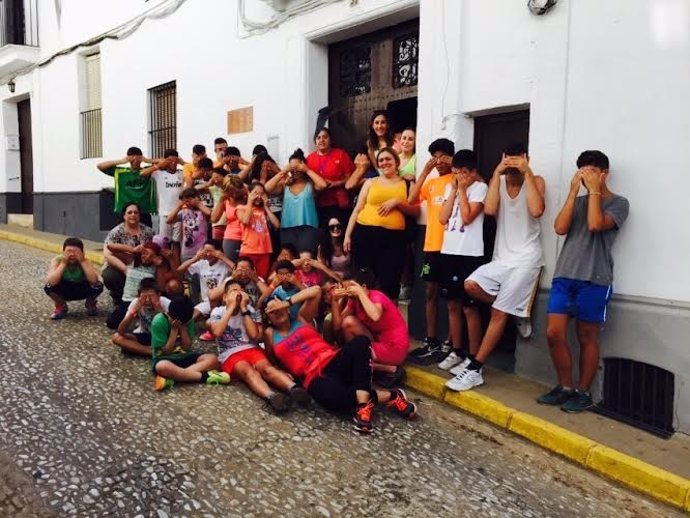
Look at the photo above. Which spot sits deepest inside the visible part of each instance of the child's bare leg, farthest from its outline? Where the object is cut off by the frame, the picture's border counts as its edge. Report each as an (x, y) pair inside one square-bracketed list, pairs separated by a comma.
[(128, 342), (274, 376), (204, 363), (244, 371), (168, 369), (352, 327)]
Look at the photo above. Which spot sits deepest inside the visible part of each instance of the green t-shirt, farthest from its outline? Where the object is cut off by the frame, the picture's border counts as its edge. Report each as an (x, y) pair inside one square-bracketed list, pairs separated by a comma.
[(160, 331), (72, 272), (131, 187)]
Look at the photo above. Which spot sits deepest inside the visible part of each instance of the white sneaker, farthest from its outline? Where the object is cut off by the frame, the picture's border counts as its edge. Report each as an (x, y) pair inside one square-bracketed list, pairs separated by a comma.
[(466, 380), (524, 326), (460, 367), (450, 361)]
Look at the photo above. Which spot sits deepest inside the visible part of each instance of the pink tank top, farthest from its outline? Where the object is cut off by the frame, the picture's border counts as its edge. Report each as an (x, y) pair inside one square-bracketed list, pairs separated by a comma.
[(233, 230), (303, 352)]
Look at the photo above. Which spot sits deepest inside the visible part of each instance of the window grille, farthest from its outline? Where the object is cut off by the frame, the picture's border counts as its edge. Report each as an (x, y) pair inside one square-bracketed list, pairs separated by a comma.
[(91, 117), (638, 394), (163, 124), (405, 60), (355, 71)]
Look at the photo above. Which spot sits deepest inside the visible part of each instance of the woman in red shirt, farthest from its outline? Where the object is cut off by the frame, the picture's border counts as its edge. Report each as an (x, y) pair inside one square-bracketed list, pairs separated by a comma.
[(335, 166)]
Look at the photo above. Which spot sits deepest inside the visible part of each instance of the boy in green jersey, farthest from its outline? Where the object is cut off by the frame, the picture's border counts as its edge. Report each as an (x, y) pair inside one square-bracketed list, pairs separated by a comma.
[(130, 186)]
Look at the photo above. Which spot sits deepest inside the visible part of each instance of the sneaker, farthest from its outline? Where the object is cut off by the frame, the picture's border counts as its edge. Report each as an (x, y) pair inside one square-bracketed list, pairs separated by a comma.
[(443, 351), (160, 383), (579, 401), (425, 355), (524, 326), (207, 336), (390, 379), (402, 405), (91, 308), (300, 396), (218, 378), (279, 402), (460, 367), (450, 361), (363, 418), (59, 312), (557, 396), (466, 380)]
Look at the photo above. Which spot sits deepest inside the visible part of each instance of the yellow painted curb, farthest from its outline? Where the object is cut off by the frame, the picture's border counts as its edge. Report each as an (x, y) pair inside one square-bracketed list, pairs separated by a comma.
[(552, 437), (48, 246), (633, 473), (481, 406), (644, 477), (424, 382)]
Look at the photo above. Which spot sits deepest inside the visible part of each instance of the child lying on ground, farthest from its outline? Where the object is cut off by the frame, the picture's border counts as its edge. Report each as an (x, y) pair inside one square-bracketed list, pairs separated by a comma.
[(237, 329)]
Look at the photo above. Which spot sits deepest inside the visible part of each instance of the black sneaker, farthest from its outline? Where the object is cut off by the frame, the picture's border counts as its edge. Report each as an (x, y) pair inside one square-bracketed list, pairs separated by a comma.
[(390, 379), (443, 351), (557, 396), (300, 396), (425, 355), (579, 401), (279, 402)]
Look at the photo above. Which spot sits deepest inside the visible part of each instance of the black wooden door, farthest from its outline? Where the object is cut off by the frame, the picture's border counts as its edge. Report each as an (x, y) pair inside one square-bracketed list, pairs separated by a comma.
[(26, 156), (373, 72)]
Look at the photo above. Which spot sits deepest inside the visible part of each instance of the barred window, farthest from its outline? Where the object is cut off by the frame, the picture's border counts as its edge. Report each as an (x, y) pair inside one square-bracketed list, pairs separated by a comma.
[(405, 60), (355, 71), (163, 123), (91, 121)]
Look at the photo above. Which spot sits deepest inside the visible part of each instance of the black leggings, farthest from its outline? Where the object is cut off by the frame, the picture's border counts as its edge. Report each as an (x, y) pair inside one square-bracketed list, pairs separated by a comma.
[(347, 373), (383, 252)]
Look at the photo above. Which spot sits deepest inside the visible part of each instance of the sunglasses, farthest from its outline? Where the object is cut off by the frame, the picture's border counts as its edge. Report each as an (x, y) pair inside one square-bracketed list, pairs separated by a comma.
[(335, 227)]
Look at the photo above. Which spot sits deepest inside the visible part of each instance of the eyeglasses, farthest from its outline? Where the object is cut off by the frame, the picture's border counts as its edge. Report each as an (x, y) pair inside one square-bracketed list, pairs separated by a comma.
[(335, 227)]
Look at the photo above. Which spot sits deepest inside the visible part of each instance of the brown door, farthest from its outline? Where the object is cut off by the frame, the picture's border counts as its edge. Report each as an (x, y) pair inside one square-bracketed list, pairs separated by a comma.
[(492, 133), (373, 72), (26, 156)]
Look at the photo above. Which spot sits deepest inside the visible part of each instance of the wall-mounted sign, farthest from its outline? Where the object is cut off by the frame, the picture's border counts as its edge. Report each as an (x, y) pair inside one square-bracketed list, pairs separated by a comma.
[(241, 120)]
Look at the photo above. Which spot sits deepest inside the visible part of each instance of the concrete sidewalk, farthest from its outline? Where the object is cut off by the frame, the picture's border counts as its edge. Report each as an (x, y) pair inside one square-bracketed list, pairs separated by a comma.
[(657, 467)]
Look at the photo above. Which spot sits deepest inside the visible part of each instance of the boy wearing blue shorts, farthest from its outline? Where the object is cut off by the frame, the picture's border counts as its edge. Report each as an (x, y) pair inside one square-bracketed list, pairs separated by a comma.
[(582, 282)]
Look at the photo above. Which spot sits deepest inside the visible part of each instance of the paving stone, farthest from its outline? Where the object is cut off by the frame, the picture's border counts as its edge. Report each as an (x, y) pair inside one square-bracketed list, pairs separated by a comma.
[(78, 413)]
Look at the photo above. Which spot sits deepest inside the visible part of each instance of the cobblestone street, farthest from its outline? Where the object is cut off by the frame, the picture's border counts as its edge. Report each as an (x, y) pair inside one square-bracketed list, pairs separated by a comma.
[(84, 434)]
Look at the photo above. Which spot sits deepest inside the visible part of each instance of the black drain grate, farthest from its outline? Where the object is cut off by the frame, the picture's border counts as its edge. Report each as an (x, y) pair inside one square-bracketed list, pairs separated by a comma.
[(638, 394)]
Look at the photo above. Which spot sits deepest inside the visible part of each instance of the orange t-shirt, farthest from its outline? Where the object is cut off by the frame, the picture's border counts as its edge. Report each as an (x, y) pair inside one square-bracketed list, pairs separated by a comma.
[(434, 192), (256, 236)]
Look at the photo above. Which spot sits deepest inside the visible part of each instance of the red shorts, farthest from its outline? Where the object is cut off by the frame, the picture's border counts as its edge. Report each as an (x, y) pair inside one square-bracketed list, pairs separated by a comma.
[(388, 354), (251, 356), (262, 263)]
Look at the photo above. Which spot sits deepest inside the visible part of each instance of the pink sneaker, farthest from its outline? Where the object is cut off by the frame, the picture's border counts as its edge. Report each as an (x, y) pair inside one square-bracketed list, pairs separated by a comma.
[(59, 312), (206, 336)]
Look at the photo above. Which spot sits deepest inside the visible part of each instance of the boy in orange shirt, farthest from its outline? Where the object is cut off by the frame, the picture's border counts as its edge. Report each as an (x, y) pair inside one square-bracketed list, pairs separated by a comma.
[(433, 191)]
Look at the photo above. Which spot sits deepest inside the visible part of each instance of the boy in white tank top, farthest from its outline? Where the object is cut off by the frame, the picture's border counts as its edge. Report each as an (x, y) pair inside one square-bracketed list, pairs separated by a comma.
[(508, 282)]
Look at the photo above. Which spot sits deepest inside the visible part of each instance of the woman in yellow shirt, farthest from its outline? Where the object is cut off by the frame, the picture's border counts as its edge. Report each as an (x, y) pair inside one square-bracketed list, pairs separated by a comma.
[(375, 234)]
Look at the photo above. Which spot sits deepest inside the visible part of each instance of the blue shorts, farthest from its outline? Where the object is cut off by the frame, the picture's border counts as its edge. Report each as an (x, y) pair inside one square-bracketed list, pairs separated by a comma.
[(584, 300)]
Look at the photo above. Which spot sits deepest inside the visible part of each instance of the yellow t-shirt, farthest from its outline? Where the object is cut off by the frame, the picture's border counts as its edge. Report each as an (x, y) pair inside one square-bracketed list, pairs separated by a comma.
[(379, 193), (187, 171), (434, 192)]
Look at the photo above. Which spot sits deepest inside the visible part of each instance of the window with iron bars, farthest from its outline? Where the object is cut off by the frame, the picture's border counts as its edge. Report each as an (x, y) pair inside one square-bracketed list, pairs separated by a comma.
[(163, 123)]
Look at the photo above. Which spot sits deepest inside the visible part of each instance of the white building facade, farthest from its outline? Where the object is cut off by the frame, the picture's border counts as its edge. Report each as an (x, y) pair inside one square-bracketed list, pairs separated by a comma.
[(79, 80)]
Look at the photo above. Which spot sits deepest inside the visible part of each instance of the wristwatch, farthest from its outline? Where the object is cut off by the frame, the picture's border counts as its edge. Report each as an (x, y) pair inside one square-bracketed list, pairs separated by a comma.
[(246, 313)]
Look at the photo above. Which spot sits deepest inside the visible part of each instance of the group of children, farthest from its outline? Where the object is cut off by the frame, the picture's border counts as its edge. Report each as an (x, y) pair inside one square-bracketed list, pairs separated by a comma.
[(267, 331)]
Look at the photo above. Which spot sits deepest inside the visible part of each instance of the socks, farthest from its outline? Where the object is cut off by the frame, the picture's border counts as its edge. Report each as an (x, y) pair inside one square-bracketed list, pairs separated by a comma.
[(475, 365), (204, 377)]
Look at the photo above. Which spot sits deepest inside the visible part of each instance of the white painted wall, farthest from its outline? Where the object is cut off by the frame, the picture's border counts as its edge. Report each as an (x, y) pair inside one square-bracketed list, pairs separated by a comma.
[(611, 75)]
